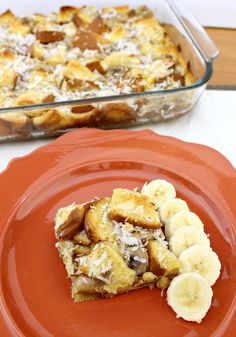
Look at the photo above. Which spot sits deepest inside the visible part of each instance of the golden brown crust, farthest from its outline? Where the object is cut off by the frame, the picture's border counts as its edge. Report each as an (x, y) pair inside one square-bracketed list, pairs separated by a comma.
[(32, 97), (70, 221), (66, 13), (7, 55), (96, 65), (77, 20), (14, 123), (74, 70), (98, 26), (114, 113), (134, 208), (7, 17), (52, 120), (85, 40), (84, 118), (8, 77), (96, 222), (162, 262), (49, 36)]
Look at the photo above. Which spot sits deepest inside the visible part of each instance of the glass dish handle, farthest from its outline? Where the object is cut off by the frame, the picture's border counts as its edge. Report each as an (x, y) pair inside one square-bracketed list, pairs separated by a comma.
[(197, 33)]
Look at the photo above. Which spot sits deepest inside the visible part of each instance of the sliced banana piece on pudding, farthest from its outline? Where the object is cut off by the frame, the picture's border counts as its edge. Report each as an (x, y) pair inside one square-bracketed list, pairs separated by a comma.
[(190, 296), (180, 219), (201, 259), (186, 237), (159, 191), (172, 207)]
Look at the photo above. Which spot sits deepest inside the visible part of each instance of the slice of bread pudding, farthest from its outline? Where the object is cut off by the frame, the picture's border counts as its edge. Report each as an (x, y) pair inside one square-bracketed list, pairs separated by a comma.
[(114, 245)]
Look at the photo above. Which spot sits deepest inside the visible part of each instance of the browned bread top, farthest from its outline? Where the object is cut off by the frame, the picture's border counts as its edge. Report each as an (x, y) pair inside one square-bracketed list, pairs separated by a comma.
[(135, 208)]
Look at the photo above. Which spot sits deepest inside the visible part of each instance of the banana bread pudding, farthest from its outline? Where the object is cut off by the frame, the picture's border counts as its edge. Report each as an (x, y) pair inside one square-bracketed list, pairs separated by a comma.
[(138, 239), (81, 53)]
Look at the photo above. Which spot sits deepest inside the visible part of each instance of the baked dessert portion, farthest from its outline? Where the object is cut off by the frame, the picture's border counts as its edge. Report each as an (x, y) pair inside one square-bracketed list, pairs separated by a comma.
[(114, 245), (84, 52), (136, 239)]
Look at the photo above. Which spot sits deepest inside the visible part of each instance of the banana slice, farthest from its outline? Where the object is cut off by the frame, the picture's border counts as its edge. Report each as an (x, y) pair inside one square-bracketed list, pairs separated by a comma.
[(183, 218), (190, 296), (201, 259), (159, 191), (186, 237), (172, 207)]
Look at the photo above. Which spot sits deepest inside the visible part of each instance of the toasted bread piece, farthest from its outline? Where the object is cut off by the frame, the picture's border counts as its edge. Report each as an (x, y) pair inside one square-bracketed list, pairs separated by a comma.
[(7, 55), (96, 65), (105, 264), (57, 55), (98, 26), (7, 17), (31, 97), (118, 60), (8, 77), (150, 27), (52, 120), (88, 14), (81, 85), (116, 113), (18, 27), (75, 70), (134, 208), (96, 222), (159, 51), (85, 40), (188, 79), (49, 36), (81, 109), (84, 118), (117, 34), (69, 220), (122, 9), (162, 261), (66, 13), (39, 18), (77, 20), (14, 123), (37, 50)]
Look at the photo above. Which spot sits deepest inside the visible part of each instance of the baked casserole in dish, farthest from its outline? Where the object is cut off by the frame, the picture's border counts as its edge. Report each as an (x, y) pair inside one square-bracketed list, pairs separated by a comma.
[(102, 67)]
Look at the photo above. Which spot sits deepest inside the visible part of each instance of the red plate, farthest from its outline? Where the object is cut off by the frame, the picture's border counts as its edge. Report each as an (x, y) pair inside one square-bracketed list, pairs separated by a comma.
[(34, 291)]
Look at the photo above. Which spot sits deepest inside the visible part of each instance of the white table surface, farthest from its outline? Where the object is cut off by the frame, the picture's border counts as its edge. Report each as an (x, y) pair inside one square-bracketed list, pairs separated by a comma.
[(212, 122)]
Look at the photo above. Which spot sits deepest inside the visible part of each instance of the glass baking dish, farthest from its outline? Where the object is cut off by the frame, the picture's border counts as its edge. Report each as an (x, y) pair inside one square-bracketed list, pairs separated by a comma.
[(123, 110)]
